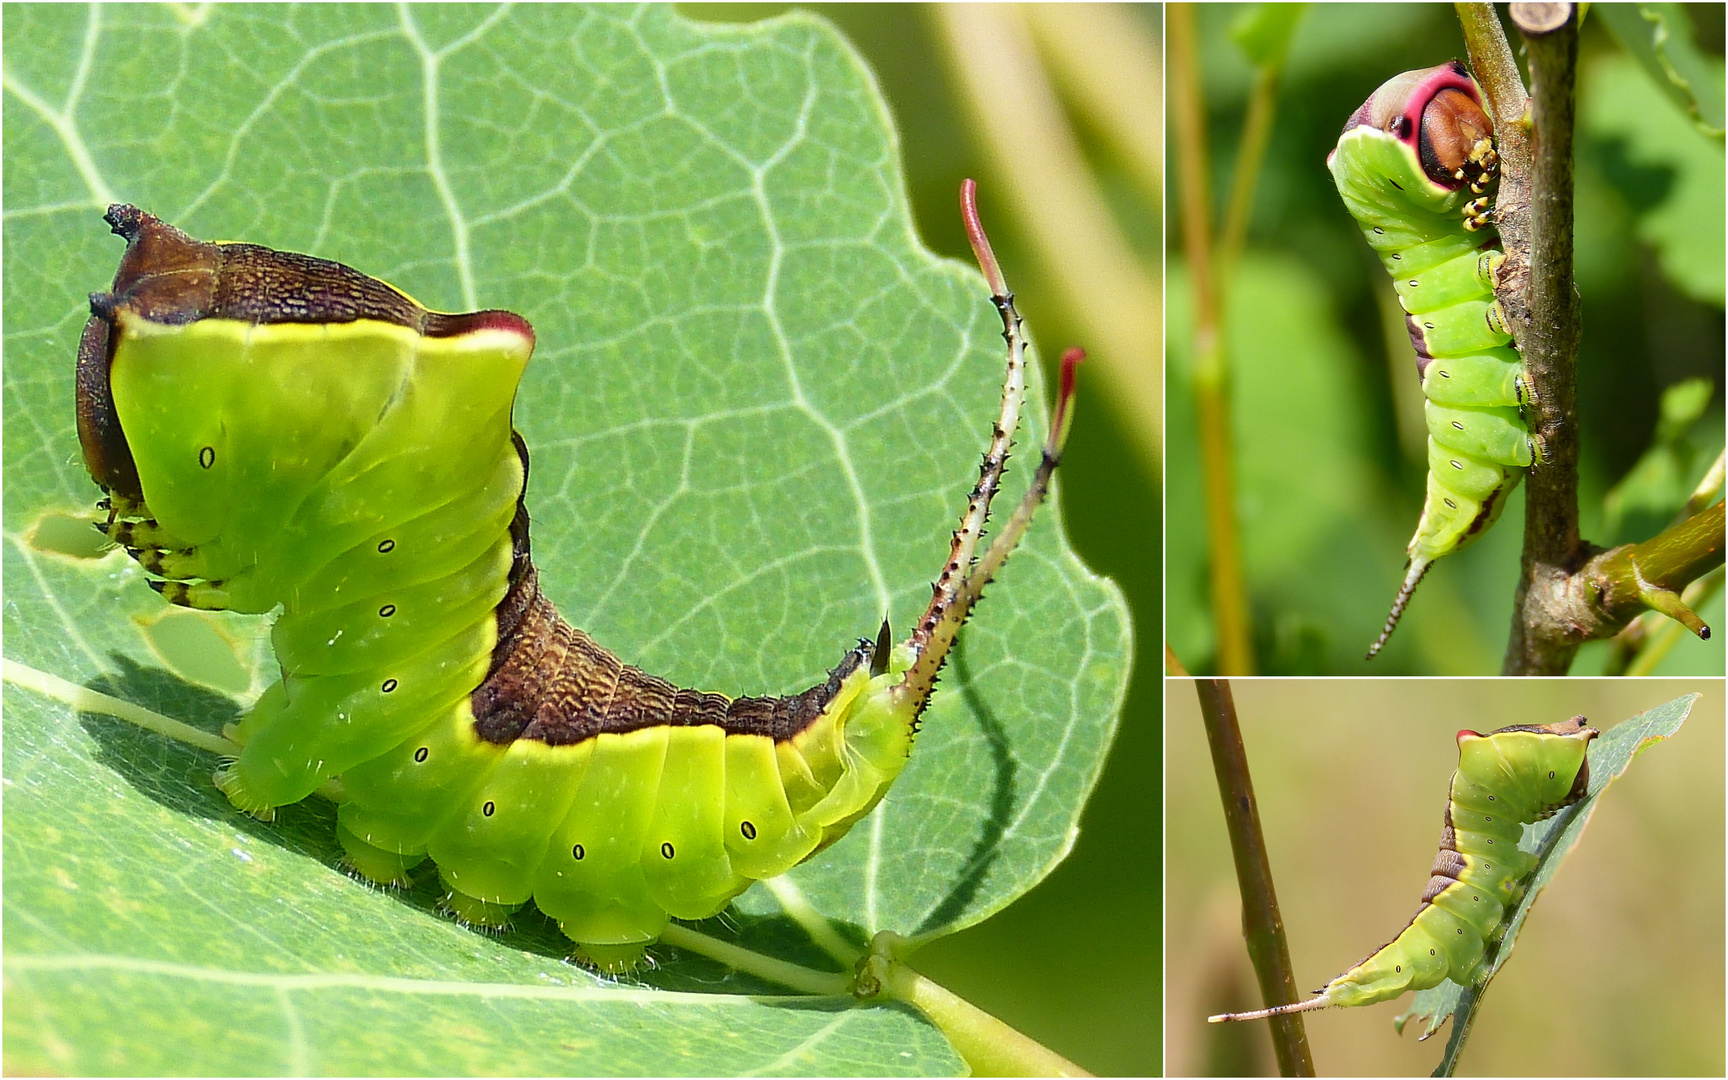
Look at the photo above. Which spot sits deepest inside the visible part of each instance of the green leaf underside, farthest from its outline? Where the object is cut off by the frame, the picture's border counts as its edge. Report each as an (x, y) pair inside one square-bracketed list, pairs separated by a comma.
[(754, 412), (1553, 839)]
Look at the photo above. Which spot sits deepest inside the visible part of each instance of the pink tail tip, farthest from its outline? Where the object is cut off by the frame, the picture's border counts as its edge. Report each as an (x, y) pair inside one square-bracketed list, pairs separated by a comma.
[(980, 242), (1062, 414)]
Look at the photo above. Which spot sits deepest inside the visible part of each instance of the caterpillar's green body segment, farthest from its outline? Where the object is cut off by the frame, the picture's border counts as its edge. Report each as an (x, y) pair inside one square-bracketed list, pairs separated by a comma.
[(1506, 779), (1411, 166), (276, 431)]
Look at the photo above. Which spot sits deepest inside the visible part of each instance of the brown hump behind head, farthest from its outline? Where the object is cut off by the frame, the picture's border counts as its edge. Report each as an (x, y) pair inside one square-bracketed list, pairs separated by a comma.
[(552, 683), (167, 277)]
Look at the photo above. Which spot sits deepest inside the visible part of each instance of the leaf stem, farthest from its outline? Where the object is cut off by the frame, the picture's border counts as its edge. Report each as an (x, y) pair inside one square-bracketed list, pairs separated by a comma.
[(822, 932), (84, 699), (1621, 583), (1262, 926), (1709, 488), (989, 1046), (802, 979), (1651, 637)]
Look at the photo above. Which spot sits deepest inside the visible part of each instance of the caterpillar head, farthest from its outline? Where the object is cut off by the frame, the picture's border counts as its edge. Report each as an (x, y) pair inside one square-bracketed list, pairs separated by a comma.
[(163, 268), (234, 300), (1437, 114), (1547, 760)]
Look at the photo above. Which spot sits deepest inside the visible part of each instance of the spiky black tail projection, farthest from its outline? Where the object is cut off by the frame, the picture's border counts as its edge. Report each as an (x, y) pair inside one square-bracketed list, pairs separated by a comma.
[(274, 430)]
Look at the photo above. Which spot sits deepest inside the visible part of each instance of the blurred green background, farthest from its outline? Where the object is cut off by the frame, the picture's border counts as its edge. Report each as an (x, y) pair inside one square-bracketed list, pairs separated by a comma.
[(1619, 970), (1073, 93), (1326, 414)]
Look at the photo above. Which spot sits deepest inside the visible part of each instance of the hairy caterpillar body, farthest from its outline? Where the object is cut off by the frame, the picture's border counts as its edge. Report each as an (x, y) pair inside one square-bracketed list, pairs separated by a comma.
[(279, 431), (1505, 780), (1412, 166)]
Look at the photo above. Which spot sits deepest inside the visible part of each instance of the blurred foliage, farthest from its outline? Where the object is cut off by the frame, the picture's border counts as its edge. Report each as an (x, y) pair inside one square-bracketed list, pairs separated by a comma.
[(1642, 502), (1618, 970), (1660, 37), (1327, 409), (1086, 991)]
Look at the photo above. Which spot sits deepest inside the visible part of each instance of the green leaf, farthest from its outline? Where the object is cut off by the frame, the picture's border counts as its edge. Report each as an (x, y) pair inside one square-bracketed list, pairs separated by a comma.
[(754, 414), (1263, 32), (1551, 840), (1659, 37)]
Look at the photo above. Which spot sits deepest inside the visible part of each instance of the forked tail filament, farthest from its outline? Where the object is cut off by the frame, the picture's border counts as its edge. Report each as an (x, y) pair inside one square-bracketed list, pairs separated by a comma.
[(963, 577)]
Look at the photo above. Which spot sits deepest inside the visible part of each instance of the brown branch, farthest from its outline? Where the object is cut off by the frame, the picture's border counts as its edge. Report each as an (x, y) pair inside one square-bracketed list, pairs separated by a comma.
[(1542, 308), (1509, 106), (1569, 592), (1262, 927)]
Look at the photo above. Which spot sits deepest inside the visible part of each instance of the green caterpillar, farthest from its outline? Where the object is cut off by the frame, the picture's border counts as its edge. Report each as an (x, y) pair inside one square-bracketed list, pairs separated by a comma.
[(1506, 779), (1412, 165), (274, 430)]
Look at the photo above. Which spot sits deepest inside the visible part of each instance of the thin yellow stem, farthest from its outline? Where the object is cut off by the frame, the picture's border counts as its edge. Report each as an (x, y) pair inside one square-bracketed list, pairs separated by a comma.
[(1211, 372), (84, 699), (989, 1046), (802, 979)]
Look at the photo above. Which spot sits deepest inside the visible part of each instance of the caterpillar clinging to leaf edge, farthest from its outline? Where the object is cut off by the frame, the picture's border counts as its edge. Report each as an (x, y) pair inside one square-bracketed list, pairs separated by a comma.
[(1505, 779)]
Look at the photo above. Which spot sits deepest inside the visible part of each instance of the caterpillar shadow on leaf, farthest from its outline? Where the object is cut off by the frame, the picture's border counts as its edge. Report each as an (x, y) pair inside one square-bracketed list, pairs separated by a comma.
[(280, 433), (169, 773), (987, 848)]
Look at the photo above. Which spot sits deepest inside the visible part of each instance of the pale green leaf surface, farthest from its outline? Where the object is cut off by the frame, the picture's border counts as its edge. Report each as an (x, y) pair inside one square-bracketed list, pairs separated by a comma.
[(1552, 840), (754, 413)]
